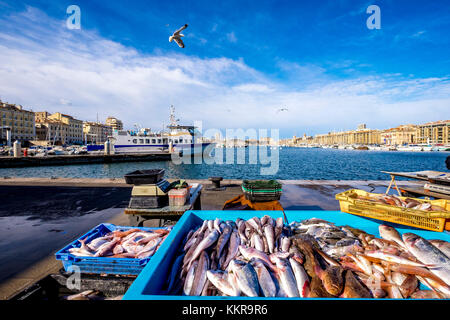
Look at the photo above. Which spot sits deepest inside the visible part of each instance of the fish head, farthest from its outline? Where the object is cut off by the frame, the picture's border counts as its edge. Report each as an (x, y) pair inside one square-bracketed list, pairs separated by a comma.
[(170, 38), (410, 239)]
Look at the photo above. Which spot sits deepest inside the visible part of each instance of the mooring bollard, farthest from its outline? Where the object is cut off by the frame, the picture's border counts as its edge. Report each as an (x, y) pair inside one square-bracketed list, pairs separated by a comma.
[(17, 150)]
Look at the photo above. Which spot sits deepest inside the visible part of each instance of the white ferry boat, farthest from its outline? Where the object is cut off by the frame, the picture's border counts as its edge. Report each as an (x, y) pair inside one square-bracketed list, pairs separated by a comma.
[(179, 138)]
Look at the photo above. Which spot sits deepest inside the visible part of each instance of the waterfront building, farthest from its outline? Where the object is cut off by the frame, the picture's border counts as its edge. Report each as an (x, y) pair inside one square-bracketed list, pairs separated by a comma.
[(96, 132), (114, 123), (51, 132), (404, 134), (434, 132), (20, 121), (58, 128), (361, 136)]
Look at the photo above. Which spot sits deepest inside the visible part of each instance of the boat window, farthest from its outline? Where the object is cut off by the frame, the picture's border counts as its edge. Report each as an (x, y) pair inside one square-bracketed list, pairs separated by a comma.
[(147, 141), (159, 140), (176, 141), (165, 141), (134, 140), (141, 140), (153, 140)]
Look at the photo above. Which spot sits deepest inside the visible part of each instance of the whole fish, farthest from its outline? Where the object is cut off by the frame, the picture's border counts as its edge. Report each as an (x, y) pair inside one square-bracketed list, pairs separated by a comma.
[(249, 253), (204, 244), (270, 236), (392, 258), (223, 239), (389, 233), (246, 277), (107, 247), (301, 278), (428, 254), (288, 281), (217, 279), (233, 249), (200, 275), (189, 281), (265, 280), (332, 279)]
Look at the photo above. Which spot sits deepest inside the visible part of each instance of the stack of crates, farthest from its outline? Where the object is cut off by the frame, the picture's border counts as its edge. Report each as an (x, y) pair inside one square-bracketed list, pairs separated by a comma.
[(261, 190)]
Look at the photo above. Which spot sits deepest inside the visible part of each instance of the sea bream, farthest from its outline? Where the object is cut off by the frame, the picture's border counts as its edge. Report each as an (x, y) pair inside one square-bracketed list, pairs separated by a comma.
[(428, 254)]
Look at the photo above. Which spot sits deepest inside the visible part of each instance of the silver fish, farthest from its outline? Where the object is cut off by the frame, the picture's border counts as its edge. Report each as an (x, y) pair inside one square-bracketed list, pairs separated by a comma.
[(205, 244), (233, 249), (287, 278), (428, 254), (200, 275), (249, 253), (266, 283), (301, 277), (223, 239), (270, 237), (189, 281), (257, 242), (246, 276)]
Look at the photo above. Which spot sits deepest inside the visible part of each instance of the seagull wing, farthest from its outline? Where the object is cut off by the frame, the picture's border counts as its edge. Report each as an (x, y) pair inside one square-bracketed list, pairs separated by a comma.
[(179, 42), (181, 29)]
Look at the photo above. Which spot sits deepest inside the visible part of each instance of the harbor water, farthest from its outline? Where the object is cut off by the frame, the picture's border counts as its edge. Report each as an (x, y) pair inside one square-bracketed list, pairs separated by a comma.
[(292, 164)]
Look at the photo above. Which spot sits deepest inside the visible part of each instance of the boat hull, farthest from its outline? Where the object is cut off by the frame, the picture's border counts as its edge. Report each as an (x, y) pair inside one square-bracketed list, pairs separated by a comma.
[(193, 149)]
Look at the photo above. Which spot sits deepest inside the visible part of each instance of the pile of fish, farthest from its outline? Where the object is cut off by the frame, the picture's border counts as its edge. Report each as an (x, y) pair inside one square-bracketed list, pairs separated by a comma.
[(133, 243), (399, 202), (312, 258)]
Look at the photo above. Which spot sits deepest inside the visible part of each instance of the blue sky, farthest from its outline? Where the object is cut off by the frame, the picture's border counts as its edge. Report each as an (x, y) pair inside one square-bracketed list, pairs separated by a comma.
[(242, 62)]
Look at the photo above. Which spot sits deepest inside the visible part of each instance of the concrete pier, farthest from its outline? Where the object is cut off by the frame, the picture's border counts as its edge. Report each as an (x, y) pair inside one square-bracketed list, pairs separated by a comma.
[(12, 162)]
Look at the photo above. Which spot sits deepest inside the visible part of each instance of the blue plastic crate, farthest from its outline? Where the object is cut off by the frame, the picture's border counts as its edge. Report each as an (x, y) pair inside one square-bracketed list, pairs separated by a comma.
[(124, 266), (148, 285)]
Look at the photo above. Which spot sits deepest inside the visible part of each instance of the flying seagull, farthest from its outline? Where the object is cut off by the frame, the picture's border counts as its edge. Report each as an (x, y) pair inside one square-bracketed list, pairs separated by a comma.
[(176, 36), (282, 109)]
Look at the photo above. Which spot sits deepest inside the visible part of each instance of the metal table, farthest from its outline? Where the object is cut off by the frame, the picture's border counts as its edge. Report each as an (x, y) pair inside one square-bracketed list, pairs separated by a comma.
[(138, 216)]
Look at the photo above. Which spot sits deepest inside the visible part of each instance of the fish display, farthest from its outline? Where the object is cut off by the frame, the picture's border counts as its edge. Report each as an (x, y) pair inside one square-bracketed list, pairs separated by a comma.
[(263, 257), (132, 243), (393, 200)]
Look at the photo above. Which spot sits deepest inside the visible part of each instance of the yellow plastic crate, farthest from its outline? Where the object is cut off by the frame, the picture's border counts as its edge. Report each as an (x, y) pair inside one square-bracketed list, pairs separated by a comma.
[(435, 221)]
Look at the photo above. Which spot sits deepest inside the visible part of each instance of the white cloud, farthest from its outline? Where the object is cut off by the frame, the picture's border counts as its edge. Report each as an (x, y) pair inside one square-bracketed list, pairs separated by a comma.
[(42, 61)]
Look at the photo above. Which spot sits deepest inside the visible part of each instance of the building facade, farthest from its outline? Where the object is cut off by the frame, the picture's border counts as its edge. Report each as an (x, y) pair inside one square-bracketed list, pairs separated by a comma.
[(73, 128), (437, 132), (58, 128), (114, 123), (401, 135), (96, 132), (21, 123), (361, 136)]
